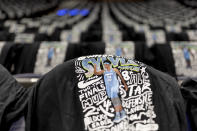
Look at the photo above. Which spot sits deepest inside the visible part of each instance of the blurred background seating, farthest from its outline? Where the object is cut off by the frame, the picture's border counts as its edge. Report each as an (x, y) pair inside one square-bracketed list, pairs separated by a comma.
[(32, 33)]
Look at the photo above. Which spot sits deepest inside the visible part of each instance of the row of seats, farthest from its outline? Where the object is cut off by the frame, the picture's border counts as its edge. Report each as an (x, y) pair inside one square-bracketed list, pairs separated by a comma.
[(190, 3), (40, 58), (48, 28), (159, 12), (16, 9), (133, 24)]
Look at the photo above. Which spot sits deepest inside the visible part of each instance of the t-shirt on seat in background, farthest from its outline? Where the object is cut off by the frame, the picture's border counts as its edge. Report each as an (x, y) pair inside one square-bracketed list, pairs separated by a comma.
[(13, 101), (75, 50), (19, 58), (163, 58), (188, 91)]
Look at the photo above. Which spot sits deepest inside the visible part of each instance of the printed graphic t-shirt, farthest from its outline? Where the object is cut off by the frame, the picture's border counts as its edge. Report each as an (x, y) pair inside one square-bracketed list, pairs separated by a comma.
[(76, 99), (184, 54), (49, 55)]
